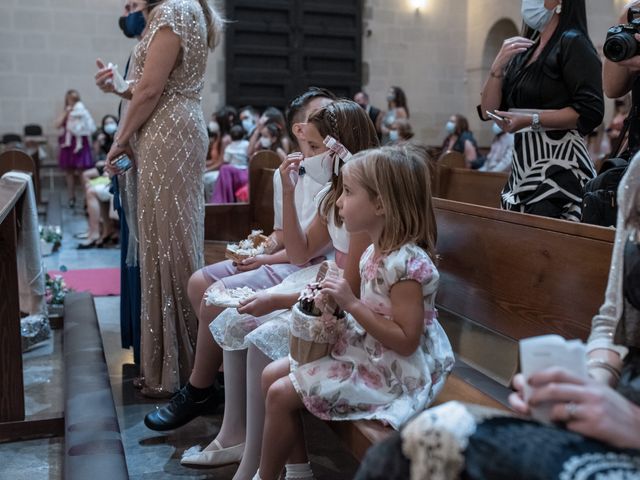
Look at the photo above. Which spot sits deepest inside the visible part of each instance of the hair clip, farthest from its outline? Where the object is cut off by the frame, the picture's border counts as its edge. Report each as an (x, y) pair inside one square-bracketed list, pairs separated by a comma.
[(339, 150)]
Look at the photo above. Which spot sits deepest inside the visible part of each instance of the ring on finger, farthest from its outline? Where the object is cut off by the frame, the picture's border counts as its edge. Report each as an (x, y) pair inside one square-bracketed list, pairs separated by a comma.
[(571, 410)]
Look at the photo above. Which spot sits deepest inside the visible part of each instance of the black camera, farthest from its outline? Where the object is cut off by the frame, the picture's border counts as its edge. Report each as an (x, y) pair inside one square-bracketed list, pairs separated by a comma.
[(621, 43)]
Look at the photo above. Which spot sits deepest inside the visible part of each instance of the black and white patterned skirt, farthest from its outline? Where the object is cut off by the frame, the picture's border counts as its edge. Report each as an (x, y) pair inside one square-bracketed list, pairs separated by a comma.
[(548, 174)]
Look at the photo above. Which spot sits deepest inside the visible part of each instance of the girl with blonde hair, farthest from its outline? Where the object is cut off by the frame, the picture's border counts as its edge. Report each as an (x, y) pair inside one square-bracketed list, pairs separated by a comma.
[(393, 356)]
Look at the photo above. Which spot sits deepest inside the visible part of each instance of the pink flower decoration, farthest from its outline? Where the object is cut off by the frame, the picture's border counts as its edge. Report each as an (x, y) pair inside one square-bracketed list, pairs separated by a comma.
[(370, 270), (340, 347), (318, 406), (340, 370), (419, 269), (312, 371), (370, 379)]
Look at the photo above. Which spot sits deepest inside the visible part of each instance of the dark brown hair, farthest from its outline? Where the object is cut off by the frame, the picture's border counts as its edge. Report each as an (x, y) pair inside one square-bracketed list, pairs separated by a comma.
[(348, 123)]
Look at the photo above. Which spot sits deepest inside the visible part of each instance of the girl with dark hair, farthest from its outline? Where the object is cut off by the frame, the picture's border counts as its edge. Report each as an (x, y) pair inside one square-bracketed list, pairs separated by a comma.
[(546, 86), (397, 108)]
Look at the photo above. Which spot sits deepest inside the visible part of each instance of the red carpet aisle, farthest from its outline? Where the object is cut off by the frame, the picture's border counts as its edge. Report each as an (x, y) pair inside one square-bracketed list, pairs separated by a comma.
[(100, 282)]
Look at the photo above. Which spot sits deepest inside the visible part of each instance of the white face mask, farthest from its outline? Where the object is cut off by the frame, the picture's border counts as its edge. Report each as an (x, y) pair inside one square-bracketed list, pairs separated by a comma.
[(450, 126), (110, 128), (213, 127), (319, 167), (265, 142), (496, 129), (248, 125), (535, 15), (393, 135)]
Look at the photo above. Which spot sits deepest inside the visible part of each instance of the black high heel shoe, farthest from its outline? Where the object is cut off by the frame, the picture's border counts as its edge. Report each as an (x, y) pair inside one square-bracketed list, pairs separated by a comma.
[(91, 244), (112, 238)]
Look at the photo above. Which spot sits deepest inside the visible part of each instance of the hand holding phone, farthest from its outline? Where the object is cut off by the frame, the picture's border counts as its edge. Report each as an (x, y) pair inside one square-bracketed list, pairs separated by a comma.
[(122, 164), (494, 116)]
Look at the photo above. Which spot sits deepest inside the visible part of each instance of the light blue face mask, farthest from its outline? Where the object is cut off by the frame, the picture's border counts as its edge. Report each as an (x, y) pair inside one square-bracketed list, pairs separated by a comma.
[(393, 135), (450, 127), (495, 128), (535, 14)]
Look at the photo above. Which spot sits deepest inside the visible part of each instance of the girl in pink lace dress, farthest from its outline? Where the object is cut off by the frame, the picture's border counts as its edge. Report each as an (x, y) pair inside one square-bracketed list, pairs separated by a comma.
[(393, 357)]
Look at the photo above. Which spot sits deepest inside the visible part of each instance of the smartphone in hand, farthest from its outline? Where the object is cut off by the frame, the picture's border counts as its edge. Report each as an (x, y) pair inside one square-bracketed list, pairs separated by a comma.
[(122, 164), (494, 116)]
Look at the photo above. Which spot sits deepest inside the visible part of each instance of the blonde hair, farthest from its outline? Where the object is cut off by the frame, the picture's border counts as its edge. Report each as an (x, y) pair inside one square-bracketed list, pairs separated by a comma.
[(399, 177), (347, 122), (215, 24)]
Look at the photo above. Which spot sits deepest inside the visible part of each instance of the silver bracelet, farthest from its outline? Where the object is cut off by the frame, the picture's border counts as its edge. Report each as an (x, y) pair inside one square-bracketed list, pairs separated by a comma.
[(599, 363)]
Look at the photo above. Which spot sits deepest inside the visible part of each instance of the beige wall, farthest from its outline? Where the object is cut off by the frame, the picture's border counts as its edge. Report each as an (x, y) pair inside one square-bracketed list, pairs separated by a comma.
[(436, 55), (50, 46)]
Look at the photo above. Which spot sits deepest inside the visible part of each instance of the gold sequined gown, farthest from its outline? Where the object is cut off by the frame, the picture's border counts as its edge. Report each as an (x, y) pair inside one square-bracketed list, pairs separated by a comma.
[(170, 151)]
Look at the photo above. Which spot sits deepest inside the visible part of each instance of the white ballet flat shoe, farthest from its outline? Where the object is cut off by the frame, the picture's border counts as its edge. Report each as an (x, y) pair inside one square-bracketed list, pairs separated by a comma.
[(214, 455)]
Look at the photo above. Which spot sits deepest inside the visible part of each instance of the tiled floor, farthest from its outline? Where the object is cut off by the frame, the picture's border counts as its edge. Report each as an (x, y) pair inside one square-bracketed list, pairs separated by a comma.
[(149, 454)]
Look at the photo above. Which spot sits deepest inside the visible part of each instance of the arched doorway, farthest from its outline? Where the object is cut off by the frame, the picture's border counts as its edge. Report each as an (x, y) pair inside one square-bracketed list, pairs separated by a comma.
[(502, 29)]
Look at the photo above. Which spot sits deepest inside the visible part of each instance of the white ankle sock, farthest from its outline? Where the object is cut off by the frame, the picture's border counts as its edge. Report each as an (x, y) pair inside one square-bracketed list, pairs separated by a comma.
[(297, 471), (257, 476)]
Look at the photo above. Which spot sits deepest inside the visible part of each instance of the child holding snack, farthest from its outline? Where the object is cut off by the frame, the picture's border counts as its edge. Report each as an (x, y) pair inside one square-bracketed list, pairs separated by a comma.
[(393, 357), (262, 321)]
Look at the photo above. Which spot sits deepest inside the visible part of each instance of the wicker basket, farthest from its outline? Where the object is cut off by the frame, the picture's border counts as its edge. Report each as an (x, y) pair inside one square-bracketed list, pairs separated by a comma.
[(312, 334)]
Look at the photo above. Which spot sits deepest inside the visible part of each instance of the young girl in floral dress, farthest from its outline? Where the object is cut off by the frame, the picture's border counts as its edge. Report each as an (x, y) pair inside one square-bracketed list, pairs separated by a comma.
[(393, 357)]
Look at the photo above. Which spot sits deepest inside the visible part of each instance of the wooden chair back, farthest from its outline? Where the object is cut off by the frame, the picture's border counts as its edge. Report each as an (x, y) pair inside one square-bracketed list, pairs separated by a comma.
[(16, 160), (234, 221), (262, 166), (452, 159)]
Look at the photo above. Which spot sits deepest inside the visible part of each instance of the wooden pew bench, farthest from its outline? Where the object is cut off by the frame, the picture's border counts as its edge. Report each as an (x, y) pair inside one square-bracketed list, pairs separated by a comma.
[(451, 180), (504, 276), (234, 221)]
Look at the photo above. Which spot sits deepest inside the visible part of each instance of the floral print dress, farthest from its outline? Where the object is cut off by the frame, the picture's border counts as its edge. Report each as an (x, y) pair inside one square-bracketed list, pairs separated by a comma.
[(361, 379)]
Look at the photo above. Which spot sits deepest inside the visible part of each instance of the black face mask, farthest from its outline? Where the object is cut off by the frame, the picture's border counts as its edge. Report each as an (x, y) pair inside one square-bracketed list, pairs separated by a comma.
[(132, 25)]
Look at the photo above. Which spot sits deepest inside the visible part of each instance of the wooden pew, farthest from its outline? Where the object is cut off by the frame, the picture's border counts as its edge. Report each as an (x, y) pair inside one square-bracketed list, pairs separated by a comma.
[(451, 180), (13, 423), (471, 186), (504, 276), (234, 221)]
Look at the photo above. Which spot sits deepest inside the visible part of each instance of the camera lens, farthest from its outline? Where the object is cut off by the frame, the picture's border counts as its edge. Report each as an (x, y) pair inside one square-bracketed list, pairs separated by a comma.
[(619, 47)]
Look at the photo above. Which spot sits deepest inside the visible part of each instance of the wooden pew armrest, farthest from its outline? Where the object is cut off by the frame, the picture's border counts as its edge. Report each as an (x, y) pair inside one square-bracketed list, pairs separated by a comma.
[(227, 222)]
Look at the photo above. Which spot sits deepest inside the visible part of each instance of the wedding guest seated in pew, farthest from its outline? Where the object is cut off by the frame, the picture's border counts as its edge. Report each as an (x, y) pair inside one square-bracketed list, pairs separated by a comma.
[(595, 429), (270, 133), (214, 160), (500, 155), (460, 139), (233, 174), (401, 132)]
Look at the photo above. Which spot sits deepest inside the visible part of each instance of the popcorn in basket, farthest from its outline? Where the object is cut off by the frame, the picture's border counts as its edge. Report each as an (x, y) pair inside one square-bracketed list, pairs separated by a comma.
[(255, 244), (316, 320)]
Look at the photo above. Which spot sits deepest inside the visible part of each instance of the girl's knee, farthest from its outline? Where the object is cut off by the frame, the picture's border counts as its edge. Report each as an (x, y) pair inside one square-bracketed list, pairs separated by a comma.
[(281, 395), (196, 286), (269, 375)]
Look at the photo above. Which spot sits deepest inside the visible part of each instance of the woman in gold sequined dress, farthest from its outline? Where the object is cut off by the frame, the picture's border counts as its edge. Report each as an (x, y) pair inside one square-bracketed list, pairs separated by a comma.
[(164, 133)]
